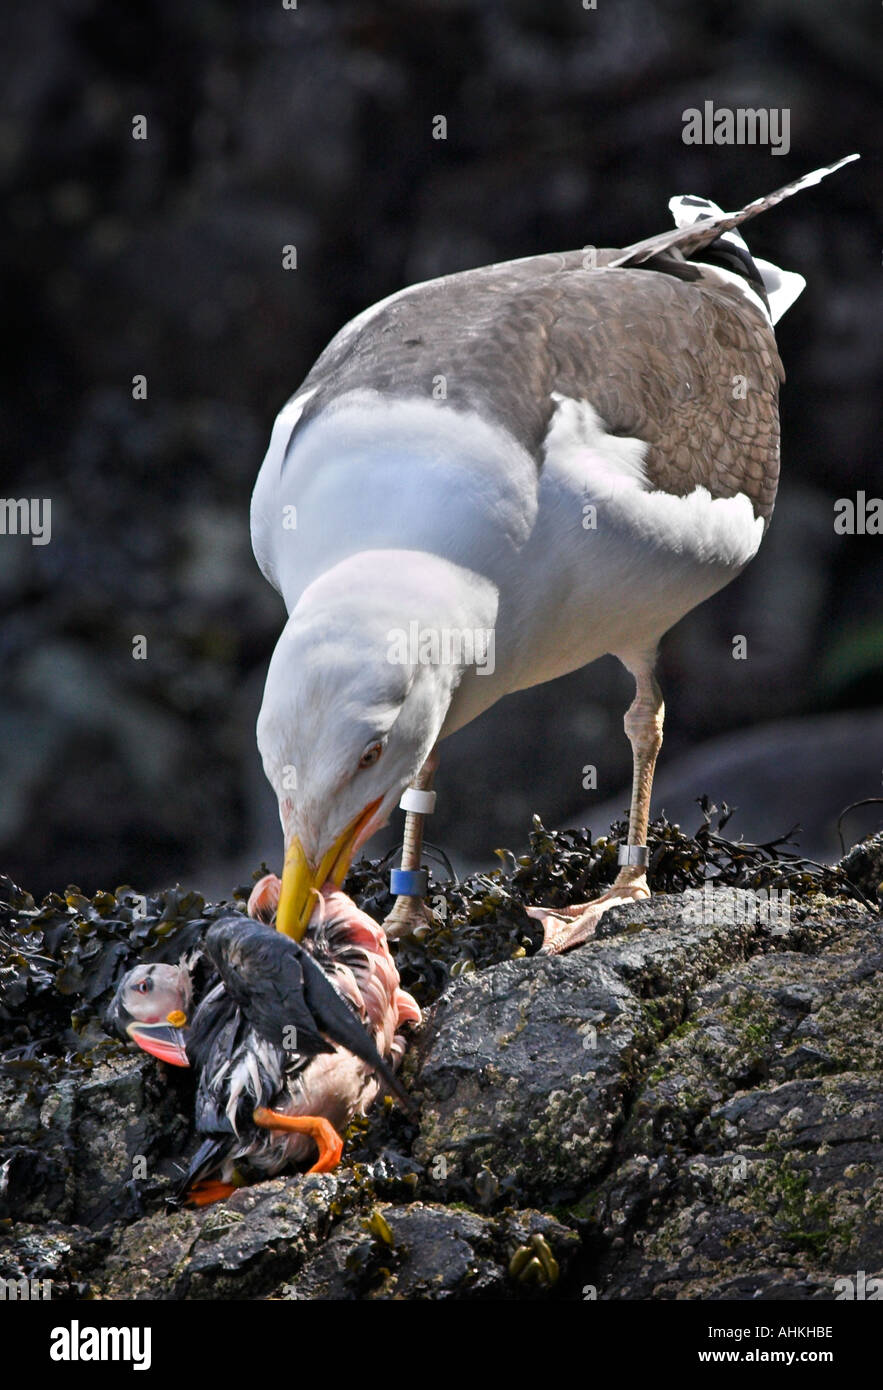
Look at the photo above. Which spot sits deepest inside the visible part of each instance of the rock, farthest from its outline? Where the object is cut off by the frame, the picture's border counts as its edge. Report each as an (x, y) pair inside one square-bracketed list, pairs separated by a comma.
[(87, 1145), (240, 1248), (527, 1067), (751, 1165), (687, 1106), (51, 1259), (864, 866), (426, 1251)]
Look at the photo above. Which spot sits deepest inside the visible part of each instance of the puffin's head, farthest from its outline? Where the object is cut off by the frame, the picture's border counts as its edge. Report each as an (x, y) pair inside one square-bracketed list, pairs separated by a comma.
[(348, 717), (151, 1006)]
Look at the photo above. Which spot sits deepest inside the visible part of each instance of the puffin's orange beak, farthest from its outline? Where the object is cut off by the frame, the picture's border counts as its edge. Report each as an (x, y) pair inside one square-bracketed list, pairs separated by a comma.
[(302, 880), (161, 1040)]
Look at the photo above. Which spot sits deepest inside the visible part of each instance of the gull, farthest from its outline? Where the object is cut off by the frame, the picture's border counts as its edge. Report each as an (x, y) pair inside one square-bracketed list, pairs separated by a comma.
[(489, 480)]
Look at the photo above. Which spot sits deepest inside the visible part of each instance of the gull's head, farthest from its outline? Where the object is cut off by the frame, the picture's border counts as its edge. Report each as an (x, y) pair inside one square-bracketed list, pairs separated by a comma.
[(346, 721)]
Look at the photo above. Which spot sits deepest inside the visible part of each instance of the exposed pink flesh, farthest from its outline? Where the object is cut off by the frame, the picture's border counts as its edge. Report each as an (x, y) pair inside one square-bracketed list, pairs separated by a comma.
[(264, 898), (372, 986), (386, 1005)]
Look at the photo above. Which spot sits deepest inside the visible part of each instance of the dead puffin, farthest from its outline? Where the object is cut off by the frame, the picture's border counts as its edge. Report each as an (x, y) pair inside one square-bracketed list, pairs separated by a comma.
[(289, 1043)]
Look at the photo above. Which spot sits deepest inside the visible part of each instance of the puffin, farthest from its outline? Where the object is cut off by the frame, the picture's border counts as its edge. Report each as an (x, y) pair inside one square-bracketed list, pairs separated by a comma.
[(288, 1041), (489, 480)]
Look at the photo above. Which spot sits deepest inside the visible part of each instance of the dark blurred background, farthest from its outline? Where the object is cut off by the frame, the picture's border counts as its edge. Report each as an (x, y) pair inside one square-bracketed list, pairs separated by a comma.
[(163, 257)]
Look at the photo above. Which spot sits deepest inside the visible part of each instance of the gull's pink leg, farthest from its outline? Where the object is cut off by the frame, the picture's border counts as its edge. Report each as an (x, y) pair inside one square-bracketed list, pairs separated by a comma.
[(410, 912), (571, 926)]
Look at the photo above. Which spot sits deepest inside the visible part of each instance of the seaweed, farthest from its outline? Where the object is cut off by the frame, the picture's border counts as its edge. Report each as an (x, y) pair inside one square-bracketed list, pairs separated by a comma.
[(481, 921), (60, 961)]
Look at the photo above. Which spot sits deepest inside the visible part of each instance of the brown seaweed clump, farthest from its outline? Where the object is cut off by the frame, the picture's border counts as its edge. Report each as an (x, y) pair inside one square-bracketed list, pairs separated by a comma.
[(60, 961)]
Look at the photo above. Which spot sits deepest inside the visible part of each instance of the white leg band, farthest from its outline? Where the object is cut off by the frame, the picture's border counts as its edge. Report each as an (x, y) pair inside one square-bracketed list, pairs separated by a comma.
[(633, 855), (414, 800)]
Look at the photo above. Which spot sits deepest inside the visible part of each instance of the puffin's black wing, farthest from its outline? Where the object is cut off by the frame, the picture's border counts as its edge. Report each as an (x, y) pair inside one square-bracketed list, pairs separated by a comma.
[(263, 975), (278, 985), (207, 1156)]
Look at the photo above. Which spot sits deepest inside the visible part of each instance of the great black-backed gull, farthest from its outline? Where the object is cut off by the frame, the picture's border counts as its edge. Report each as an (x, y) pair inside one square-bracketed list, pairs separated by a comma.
[(490, 480)]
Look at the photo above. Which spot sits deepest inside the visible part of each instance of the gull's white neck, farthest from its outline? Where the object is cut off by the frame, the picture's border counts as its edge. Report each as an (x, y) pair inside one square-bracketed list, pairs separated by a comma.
[(409, 474)]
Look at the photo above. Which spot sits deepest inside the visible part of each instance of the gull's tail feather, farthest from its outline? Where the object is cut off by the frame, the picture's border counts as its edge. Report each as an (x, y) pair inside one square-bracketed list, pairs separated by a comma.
[(690, 239)]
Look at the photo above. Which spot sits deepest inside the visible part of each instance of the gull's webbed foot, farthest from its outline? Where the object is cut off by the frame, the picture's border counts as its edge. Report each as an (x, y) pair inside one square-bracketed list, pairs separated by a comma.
[(565, 927), (406, 916)]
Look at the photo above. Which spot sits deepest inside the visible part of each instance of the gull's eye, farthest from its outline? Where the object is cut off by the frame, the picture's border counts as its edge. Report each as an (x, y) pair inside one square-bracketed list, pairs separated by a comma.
[(371, 754)]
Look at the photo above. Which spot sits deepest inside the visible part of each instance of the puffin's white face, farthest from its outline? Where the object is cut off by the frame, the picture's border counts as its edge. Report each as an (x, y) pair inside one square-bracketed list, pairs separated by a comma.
[(152, 1004), (149, 993), (342, 731)]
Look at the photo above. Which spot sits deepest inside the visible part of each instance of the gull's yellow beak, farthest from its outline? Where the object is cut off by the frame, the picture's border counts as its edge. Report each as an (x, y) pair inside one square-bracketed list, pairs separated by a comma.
[(302, 880)]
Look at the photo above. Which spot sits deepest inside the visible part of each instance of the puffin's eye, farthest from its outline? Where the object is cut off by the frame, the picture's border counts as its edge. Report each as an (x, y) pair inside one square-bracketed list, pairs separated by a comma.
[(371, 754), (144, 986)]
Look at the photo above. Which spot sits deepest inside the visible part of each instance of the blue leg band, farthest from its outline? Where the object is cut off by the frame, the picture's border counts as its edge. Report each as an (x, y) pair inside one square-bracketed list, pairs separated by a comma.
[(412, 882)]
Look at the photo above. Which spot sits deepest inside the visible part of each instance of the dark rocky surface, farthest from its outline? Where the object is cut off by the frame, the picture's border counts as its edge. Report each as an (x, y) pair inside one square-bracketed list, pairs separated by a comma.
[(688, 1106)]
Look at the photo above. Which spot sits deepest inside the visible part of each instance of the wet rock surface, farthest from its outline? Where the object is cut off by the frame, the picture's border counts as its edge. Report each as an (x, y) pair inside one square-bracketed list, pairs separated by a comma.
[(528, 1067), (750, 1164), (688, 1106), (430, 1251), (70, 1132)]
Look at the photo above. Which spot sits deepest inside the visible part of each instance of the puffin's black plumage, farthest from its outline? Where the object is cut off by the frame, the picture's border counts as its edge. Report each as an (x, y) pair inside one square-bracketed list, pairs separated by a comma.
[(282, 1055), (277, 986)]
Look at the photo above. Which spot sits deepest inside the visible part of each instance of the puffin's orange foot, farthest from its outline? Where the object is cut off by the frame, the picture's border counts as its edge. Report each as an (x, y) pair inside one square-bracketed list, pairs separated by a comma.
[(320, 1130), (565, 927), (209, 1190), (264, 898)]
